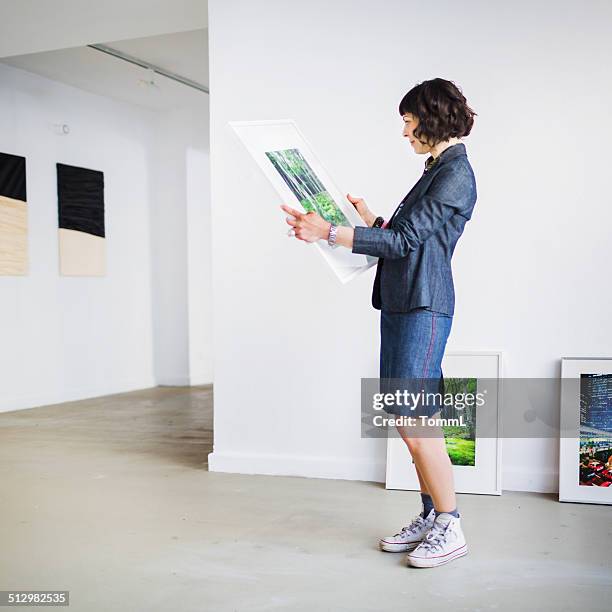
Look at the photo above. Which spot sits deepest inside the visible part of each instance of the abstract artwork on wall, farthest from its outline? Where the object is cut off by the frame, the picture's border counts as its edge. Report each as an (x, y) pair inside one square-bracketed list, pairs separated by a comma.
[(82, 244), (13, 216)]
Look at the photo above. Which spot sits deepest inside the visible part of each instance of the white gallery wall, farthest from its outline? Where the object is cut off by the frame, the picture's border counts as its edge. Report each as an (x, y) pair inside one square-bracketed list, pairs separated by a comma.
[(72, 337), (68, 338), (291, 343), (180, 213)]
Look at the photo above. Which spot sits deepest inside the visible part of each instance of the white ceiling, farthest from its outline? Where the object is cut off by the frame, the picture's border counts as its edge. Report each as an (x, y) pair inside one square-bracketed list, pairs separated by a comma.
[(183, 53), (34, 26)]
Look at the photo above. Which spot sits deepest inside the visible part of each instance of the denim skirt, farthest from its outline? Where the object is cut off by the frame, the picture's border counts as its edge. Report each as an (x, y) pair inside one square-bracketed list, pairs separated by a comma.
[(411, 349)]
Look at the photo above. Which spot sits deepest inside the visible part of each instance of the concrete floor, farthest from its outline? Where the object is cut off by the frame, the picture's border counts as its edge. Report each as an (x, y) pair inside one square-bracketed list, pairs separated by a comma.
[(111, 499)]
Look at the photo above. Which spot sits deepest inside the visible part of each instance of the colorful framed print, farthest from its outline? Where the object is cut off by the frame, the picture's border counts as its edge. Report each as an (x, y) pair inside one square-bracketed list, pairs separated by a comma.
[(585, 445)]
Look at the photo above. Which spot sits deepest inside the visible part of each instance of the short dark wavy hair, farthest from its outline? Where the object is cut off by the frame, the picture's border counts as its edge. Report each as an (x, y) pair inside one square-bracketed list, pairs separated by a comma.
[(441, 109)]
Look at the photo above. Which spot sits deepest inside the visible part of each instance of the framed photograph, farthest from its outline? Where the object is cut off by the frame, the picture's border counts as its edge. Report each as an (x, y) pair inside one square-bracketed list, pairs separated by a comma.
[(287, 160), (476, 458), (585, 445)]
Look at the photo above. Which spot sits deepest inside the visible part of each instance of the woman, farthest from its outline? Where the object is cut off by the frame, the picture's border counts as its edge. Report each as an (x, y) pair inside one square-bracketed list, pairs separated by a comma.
[(414, 291)]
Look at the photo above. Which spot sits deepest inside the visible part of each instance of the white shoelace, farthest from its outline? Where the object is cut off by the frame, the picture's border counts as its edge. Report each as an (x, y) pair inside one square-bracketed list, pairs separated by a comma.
[(413, 527), (434, 537)]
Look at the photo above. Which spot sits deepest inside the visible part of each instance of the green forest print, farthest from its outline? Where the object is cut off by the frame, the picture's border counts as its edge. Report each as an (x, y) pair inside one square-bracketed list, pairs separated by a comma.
[(306, 186), (460, 441)]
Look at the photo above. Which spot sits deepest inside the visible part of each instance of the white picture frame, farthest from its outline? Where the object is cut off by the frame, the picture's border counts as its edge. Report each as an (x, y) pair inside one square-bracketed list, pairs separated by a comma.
[(262, 138), (485, 476), (578, 437)]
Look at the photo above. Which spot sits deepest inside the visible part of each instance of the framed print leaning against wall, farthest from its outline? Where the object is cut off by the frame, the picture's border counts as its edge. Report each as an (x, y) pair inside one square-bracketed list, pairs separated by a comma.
[(288, 162), (585, 445), (474, 448)]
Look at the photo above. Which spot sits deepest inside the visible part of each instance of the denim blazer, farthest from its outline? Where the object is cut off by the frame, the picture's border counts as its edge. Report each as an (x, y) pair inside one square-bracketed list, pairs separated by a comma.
[(416, 246)]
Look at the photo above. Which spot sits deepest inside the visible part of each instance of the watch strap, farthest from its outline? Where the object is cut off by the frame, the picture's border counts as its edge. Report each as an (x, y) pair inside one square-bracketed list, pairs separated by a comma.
[(331, 238)]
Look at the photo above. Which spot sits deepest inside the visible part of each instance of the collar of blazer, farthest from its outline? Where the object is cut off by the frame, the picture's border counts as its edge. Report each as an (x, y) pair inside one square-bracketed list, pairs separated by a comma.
[(448, 153)]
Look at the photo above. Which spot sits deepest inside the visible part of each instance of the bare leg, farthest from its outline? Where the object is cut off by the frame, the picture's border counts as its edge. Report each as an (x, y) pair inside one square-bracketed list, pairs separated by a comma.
[(433, 465), (422, 483)]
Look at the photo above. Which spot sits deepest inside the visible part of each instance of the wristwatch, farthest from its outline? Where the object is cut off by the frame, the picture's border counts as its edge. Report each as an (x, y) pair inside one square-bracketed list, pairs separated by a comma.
[(378, 222), (331, 238)]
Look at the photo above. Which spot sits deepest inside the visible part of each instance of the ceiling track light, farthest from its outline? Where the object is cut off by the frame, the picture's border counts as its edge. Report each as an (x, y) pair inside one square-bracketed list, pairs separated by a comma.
[(152, 68)]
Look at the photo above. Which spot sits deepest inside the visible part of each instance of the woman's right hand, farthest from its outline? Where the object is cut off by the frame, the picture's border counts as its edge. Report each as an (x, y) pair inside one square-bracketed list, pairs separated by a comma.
[(362, 209)]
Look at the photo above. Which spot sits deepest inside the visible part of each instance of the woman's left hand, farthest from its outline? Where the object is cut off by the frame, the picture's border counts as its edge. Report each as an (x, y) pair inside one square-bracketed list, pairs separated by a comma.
[(309, 227)]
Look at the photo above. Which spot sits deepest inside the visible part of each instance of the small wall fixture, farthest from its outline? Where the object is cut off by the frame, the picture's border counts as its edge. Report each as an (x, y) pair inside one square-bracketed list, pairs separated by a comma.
[(61, 129), (149, 81)]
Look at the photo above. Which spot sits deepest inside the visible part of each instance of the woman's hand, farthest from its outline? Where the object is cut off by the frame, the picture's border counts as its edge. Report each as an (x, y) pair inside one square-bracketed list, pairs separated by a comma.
[(362, 209), (309, 227)]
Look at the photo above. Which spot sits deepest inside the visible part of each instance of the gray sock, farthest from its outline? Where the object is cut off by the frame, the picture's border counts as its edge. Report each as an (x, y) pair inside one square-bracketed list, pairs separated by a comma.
[(427, 504), (453, 512)]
